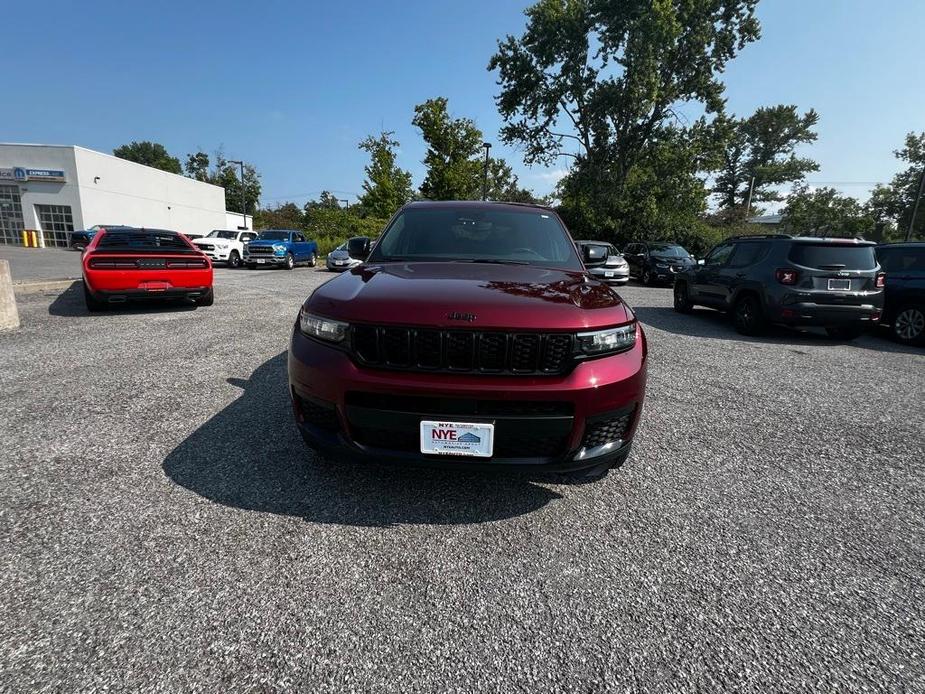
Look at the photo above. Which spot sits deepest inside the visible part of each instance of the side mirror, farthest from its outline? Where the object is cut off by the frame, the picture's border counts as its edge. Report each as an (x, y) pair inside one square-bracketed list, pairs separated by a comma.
[(358, 247), (594, 254)]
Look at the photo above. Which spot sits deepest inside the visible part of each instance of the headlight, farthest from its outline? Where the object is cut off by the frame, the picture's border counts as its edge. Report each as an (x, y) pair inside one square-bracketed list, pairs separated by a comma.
[(278, 247), (607, 341), (322, 328)]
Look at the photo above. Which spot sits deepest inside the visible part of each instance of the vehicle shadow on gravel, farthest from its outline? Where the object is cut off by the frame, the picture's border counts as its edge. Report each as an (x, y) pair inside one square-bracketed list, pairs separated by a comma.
[(250, 456), (704, 322), (70, 303)]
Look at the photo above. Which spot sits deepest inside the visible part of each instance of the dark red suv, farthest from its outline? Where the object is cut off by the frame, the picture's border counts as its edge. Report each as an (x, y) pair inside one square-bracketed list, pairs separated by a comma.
[(471, 336)]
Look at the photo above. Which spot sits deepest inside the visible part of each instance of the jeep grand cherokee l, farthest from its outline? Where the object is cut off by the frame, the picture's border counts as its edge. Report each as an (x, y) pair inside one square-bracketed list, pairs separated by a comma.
[(471, 336), (829, 283)]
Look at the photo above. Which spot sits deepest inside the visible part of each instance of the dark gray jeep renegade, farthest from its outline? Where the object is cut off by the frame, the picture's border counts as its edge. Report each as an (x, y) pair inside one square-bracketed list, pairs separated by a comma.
[(830, 283)]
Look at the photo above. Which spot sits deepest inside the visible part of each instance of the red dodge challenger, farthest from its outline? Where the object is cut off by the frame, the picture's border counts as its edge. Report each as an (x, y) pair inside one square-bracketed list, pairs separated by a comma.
[(144, 264)]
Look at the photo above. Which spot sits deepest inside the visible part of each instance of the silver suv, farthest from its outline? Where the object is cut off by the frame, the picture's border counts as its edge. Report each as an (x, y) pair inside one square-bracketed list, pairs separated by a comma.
[(830, 283)]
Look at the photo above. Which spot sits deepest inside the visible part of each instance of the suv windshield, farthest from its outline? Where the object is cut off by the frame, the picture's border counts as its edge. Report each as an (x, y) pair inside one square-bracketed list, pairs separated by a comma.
[(833, 255), (220, 234), (274, 236), (478, 234), (668, 249)]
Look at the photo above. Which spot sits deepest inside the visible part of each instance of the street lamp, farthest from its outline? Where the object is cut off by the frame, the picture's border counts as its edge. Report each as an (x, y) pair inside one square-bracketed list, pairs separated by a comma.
[(243, 199), (487, 146)]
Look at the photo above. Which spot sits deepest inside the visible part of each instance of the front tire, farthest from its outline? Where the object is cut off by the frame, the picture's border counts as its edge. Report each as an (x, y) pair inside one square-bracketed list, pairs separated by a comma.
[(748, 316), (234, 260), (682, 301), (908, 326), (290, 261)]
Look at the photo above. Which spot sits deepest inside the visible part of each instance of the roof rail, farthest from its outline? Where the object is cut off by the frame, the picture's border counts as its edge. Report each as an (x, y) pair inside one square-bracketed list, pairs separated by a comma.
[(742, 237)]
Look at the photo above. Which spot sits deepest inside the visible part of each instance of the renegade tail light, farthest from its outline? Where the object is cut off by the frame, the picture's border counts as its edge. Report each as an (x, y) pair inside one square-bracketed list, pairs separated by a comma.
[(881, 280), (607, 341), (787, 275), (322, 328)]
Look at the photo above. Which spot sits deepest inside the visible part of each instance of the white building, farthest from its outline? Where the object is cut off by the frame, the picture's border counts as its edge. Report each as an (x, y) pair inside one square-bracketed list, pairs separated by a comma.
[(55, 189)]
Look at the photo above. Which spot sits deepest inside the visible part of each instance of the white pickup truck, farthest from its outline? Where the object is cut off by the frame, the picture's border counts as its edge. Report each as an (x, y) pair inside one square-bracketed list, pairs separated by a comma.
[(225, 246)]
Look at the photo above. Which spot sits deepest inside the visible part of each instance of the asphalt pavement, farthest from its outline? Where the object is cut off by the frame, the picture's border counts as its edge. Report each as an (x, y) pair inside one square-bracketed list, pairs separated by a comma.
[(164, 529)]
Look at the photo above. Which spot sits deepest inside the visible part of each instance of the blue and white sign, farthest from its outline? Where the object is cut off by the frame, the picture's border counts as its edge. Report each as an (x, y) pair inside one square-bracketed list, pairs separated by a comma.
[(41, 174)]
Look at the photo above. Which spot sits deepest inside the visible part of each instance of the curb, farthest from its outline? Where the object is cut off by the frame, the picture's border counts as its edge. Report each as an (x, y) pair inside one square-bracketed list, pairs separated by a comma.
[(21, 287)]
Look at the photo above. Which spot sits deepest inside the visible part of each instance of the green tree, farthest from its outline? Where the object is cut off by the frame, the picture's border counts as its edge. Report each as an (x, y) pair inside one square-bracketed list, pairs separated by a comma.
[(453, 145), (894, 204), (286, 215), (825, 212), (223, 173), (150, 154), (762, 146), (386, 187), (595, 80)]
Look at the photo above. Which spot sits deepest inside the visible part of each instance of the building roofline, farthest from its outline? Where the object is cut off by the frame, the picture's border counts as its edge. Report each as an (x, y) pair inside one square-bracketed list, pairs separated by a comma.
[(104, 154)]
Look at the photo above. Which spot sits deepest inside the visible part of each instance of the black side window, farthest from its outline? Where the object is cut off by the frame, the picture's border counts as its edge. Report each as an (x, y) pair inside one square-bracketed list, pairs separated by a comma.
[(902, 259), (748, 253), (719, 255)]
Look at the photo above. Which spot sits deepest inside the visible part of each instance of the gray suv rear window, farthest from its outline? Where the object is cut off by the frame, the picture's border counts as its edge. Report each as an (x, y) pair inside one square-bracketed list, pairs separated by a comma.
[(833, 255)]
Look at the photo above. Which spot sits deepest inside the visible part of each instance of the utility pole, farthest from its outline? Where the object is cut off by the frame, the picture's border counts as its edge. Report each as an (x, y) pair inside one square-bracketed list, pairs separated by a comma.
[(487, 146), (748, 204), (915, 207), (243, 198)]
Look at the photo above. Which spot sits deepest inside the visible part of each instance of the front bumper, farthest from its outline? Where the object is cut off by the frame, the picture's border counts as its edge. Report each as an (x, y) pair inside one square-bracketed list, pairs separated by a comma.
[(611, 275), (587, 417), (265, 259), (337, 268)]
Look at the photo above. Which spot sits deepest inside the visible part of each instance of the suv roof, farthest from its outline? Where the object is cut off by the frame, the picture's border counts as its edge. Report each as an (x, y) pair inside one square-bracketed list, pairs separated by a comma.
[(802, 239), (903, 244), (483, 204)]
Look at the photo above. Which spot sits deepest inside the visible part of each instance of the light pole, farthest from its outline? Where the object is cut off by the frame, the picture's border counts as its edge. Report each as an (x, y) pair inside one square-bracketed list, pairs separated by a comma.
[(345, 201), (243, 199), (487, 146)]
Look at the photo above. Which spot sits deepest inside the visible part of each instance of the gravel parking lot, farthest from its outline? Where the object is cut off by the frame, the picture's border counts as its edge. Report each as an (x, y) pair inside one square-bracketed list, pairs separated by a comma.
[(164, 529)]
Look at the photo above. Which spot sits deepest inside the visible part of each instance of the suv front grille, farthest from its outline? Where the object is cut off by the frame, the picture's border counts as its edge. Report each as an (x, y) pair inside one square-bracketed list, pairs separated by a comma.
[(260, 250), (462, 350)]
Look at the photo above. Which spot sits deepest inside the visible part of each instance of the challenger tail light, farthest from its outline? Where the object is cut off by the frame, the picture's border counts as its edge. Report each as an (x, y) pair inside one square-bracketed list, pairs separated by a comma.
[(187, 264), (112, 264), (786, 275), (881, 280)]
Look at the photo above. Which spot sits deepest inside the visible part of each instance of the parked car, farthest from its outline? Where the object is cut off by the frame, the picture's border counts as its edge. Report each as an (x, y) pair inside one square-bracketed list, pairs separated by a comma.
[(225, 246), (81, 239), (654, 262), (284, 247), (610, 267), (830, 283), (904, 292), (340, 259), (471, 336), (128, 264)]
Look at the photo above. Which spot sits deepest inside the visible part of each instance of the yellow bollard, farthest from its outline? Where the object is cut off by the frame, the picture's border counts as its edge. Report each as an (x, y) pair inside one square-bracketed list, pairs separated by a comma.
[(25, 238), (35, 239)]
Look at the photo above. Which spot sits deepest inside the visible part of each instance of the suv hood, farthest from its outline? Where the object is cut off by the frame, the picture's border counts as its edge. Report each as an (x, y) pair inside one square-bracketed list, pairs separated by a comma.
[(519, 297)]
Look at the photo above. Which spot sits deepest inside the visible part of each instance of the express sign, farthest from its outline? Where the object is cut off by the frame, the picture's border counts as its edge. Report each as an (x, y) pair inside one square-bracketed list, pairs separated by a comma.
[(22, 174)]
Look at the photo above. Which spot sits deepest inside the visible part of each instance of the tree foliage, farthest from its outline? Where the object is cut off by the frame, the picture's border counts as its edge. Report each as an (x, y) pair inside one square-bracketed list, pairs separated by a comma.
[(386, 187), (894, 203), (825, 212), (453, 145), (227, 175), (150, 154), (596, 79), (762, 146)]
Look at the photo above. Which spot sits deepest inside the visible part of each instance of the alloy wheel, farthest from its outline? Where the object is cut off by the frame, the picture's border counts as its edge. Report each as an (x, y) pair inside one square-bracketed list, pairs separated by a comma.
[(909, 324)]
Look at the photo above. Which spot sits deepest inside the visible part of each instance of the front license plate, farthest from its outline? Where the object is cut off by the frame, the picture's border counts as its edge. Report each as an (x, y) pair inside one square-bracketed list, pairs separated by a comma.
[(608, 274), (261, 261), (458, 438), (840, 285)]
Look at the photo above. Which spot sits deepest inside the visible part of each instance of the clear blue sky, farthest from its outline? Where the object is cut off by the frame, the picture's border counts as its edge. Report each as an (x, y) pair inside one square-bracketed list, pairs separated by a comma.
[(292, 87)]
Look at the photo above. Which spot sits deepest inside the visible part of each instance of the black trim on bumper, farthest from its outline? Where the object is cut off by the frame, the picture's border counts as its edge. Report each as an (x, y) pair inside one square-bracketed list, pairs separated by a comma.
[(118, 297)]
